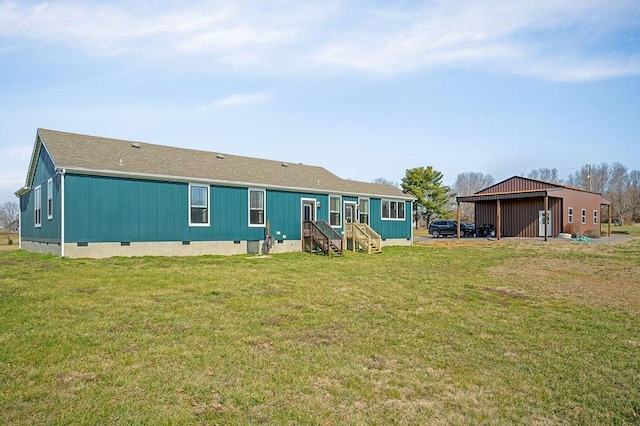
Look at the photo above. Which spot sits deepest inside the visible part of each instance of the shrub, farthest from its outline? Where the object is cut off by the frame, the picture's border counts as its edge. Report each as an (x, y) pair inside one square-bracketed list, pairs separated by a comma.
[(592, 233)]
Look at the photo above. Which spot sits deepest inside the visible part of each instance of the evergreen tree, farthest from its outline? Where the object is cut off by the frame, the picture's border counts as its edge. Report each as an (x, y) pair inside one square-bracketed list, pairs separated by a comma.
[(425, 183)]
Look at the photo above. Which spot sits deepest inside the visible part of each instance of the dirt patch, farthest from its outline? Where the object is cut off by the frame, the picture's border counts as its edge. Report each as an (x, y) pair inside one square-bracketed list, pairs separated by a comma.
[(595, 282)]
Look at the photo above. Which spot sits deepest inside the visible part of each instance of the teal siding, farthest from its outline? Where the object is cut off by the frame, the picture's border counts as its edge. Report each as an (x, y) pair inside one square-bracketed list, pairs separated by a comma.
[(105, 209), (230, 215), (109, 209), (284, 212), (390, 228), (101, 209), (49, 231)]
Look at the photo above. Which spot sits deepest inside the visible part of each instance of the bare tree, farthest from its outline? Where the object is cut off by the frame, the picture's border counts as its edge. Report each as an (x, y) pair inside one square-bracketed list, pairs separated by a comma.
[(618, 181), (9, 215), (546, 175), (614, 182), (633, 189), (385, 181), (591, 177), (9, 218), (469, 183)]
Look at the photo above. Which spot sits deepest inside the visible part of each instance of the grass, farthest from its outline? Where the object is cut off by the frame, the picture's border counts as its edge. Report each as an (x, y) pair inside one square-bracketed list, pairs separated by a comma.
[(498, 333), (7, 237), (631, 229)]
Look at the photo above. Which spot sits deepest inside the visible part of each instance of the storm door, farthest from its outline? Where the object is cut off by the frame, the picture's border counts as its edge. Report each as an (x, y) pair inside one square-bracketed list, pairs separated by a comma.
[(544, 221)]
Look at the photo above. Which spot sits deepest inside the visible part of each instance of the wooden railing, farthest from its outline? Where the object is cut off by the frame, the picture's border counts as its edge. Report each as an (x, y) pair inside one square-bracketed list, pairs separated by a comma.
[(364, 236), (322, 236)]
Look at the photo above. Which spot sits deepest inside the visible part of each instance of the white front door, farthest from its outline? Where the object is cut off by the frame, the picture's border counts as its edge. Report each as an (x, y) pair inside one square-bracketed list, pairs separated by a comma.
[(349, 212), (308, 210), (544, 221)]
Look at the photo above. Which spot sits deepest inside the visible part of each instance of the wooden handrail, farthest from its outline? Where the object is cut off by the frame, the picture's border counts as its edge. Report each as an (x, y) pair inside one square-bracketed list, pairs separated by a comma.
[(323, 236), (366, 237)]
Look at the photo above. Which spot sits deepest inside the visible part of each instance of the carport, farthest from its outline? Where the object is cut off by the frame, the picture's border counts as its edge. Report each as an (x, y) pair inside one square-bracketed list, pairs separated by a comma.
[(523, 207)]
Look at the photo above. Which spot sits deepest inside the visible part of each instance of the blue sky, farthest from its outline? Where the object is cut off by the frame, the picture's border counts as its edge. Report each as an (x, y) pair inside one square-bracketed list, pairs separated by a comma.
[(365, 89)]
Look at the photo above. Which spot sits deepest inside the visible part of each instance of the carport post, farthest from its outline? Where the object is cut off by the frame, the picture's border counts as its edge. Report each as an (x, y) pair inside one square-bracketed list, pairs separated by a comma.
[(609, 221), (498, 225), (458, 215)]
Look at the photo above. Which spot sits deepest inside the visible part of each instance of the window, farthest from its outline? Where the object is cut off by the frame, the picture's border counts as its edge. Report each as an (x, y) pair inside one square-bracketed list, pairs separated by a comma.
[(256, 207), (363, 207), (50, 199), (198, 205), (595, 217), (570, 215), (335, 218), (583, 216), (392, 210), (37, 207)]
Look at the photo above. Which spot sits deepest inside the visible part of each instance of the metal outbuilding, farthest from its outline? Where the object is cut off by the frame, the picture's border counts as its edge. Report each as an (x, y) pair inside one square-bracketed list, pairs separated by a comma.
[(524, 207)]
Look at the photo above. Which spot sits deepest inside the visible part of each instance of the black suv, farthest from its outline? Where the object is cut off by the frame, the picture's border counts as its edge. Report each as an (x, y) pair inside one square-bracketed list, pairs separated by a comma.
[(443, 228)]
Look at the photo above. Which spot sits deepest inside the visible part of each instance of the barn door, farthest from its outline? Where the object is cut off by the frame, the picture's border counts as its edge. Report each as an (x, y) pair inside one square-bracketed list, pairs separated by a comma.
[(544, 221)]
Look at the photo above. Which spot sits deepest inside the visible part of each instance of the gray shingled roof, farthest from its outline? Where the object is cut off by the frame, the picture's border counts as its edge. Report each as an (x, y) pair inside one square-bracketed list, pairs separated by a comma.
[(96, 155)]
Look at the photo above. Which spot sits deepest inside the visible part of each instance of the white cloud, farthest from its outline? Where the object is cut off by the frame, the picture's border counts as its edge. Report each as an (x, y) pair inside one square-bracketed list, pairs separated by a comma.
[(285, 37), (492, 35), (243, 99)]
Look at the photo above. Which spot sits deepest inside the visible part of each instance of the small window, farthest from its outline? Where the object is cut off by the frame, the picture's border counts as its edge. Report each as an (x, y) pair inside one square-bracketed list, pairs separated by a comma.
[(335, 217), (363, 208), (256, 207), (570, 215), (392, 210), (37, 206), (583, 216), (50, 199), (595, 217), (198, 205)]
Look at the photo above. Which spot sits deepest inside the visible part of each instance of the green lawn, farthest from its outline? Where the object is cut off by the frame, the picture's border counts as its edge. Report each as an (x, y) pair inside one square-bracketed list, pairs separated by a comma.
[(494, 333)]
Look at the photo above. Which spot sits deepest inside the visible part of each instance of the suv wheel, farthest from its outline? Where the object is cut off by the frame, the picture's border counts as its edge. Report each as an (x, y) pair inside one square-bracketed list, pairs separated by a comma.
[(435, 234)]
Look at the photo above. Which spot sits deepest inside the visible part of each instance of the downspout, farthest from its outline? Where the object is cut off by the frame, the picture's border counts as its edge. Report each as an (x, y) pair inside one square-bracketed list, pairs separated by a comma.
[(62, 212), (411, 221)]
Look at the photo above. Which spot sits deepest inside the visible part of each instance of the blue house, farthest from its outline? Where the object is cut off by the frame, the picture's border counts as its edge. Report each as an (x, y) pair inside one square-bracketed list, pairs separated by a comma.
[(88, 196)]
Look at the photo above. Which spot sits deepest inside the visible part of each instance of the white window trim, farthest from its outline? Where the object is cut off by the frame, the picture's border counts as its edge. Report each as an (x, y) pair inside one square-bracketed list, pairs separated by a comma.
[(264, 207), (37, 205), (583, 216), (397, 202), (570, 215), (595, 217), (368, 209), (208, 188), (50, 198), (339, 211)]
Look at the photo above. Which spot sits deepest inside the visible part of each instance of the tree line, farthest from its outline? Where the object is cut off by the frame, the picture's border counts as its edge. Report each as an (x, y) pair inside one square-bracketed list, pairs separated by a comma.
[(436, 200)]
